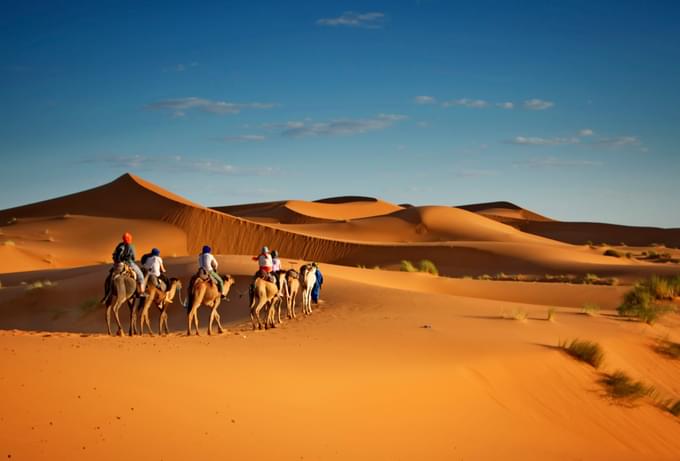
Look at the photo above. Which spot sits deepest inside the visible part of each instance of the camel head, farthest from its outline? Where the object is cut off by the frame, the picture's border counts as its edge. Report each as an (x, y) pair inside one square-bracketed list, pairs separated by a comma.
[(228, 282)]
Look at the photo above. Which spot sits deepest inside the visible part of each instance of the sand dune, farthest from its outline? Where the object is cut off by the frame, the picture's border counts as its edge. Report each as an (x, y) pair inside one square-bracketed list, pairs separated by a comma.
[(458, 241), (301, 212), (504, 211)]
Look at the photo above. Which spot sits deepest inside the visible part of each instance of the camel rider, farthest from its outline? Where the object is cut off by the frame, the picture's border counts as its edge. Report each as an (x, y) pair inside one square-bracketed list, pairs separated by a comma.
[(264, 261), (317, 285), (155, 268), (276, 265), (125, 254), (208, 263)]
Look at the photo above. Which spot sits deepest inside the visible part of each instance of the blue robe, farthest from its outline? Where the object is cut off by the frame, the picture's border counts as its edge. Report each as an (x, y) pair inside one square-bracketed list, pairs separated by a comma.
[(317, 286)]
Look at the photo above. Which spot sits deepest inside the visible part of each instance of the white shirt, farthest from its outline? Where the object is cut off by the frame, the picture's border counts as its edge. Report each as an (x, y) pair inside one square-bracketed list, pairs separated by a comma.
[(153, 265), (265, 260), (207, 262)]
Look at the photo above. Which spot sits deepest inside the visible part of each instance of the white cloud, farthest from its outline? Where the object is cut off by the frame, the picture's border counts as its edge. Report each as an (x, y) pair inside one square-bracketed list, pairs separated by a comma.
[(465, 102), (179, 107), (586, 132), (298, 129), (422, 124), (476, 173), (506, 105), (244, 138), (620, 141), (555, 162), (371, 20), (177, 163), (425, 100), (538, 104), (536, 141)]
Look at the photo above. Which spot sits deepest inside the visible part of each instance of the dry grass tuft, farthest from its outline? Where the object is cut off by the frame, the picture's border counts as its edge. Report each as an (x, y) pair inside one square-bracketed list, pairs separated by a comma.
[(586, 351), (590, 309), (620, 386)]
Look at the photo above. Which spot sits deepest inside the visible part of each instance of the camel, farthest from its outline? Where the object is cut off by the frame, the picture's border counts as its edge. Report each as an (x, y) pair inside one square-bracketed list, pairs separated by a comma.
[(293, 283), (282, 294), (160, 299), (307, 282), (203, 291), (121, 287), (265, 294)]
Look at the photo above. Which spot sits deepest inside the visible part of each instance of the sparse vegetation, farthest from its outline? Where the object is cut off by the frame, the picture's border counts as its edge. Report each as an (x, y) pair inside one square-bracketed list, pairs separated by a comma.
[(376, 268), (647, 300), (428, 267), (551, 314), (9, 243), (612, 252), (407, 266), (520, 315), (620, 386), (589, 279), (591, 309), (40, 284), (674, 409), (586, 351), (669, 349), (12, 221), (424, 265)]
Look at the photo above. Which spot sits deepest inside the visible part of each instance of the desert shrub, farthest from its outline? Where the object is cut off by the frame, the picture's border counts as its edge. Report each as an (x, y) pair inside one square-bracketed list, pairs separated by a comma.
[(12, 221), (621, 386), (407, 266), (612, 252), (641, 301), (590, 309), (590, 243), (485, 277), (669, 349), (629, 255), (675, 408), (428, 267), (586, 351), (376, 268), (519, 314), (40, 284), (651, 254), (551, 314), (590, 279), (659, 287), (359, 266), (9, 243)]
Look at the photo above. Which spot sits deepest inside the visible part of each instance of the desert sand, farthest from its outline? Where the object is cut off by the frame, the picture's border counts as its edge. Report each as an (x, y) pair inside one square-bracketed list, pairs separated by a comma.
[(392, 365)]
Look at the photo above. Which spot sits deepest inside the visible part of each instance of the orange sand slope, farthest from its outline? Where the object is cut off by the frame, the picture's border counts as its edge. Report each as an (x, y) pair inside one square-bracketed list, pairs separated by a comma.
[(359, 379), (505, 212), (457, 241)]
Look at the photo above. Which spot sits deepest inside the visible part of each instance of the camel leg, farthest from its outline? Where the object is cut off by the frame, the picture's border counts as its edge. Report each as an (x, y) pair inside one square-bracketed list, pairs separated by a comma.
[(219, 324), (165, 322), (258, 308), (160, 322), (116, 307), (278, 308), (108, 318), (133, 317), (210, 322)]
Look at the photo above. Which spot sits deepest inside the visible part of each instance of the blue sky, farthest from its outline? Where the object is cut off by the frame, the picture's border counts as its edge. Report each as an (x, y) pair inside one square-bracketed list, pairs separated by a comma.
[(571, 108)]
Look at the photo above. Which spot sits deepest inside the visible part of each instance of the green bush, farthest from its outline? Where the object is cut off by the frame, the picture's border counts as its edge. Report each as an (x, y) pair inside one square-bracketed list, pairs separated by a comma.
[(641, 300), (407, 266), (590, 279), (669, 349), (586, 351), (428, 267), (611, 252), (621, 386), (590, 309)]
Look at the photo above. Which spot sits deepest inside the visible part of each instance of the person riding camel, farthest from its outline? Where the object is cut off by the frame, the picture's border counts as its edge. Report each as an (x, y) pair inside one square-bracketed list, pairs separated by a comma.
[(208, 263), (276, 265), (155, 269), (264, 261), (125, 254)]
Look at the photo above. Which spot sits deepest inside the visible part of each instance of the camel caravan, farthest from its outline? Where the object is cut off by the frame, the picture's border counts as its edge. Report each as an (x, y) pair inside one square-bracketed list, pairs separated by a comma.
[(140, 288)]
